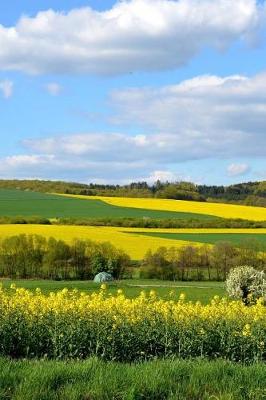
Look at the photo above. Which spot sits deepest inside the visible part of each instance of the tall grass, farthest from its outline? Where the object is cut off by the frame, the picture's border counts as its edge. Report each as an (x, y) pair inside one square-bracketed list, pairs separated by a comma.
[(157, 380)]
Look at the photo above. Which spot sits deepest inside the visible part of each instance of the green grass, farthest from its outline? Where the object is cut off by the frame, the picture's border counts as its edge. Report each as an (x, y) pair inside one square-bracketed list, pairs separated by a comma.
[(202, 291), (27, 204), (249, 239), (158, 380)]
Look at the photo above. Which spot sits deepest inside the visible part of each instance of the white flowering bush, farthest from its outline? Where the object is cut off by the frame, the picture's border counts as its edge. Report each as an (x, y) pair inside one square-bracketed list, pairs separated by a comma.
[(246, 283)]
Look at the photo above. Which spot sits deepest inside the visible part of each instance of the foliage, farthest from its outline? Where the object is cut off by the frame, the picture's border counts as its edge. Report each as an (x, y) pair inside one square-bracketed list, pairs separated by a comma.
[(76, 325), (190, 262), (33, 256), (246, 283)]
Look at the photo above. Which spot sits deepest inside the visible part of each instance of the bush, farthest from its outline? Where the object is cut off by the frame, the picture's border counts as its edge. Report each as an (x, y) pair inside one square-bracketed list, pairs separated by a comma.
[(246, 283)]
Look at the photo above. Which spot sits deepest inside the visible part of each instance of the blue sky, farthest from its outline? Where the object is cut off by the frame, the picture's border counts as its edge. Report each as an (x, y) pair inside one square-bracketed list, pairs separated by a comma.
[(109, 91)]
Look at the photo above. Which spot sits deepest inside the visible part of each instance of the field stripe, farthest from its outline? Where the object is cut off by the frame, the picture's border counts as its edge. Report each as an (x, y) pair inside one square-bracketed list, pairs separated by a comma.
[(215, 209)]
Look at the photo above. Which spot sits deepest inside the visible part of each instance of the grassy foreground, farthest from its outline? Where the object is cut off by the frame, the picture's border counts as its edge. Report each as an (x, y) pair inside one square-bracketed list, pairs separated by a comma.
[(157, 380)]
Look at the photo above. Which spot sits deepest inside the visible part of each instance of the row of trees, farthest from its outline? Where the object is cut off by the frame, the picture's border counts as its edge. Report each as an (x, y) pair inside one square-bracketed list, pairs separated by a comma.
[(33, 256), (139, 222), (199, 262)]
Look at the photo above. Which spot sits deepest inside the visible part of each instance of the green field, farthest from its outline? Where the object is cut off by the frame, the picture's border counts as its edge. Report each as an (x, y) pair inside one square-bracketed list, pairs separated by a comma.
[(28, 204), (202, 291), (157, 380), (248, 239)]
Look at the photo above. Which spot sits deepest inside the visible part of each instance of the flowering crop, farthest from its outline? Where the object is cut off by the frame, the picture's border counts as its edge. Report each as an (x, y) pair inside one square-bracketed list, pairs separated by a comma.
[(72, 324), (131, 240)]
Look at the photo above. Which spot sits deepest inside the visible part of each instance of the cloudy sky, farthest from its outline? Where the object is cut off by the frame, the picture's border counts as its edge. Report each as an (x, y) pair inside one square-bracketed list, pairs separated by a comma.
[(119, 91)]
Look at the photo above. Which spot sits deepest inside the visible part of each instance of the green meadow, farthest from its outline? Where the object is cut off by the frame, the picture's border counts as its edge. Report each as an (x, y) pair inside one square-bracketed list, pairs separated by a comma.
[(194, 291), (247, 239), (28, 204)]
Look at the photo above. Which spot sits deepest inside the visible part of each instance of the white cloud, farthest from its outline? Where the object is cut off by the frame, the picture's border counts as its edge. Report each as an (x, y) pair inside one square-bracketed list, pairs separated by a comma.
[(207, 116), (237, 169), (134, 35), (165, 176), (200, 119), (53, 88), (6, 87)]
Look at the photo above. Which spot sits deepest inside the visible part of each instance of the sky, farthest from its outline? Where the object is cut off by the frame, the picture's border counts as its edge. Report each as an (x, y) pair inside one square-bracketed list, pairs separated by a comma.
[(120, 91)]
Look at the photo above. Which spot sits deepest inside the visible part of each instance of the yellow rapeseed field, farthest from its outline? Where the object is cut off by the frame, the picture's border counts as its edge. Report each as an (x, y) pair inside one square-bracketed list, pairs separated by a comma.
[(217, 209), (79, 325), (134, 244)]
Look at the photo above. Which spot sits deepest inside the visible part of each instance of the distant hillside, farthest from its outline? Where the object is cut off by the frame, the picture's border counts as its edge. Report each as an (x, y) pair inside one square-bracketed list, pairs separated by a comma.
[(250, 193)]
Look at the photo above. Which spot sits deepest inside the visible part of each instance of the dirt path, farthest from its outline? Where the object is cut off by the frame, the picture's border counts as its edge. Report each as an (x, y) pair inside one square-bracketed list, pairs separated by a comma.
[(175, 286)]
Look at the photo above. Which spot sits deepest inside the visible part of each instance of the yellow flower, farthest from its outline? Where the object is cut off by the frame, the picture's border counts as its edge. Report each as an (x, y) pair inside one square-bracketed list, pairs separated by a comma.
[(182, 297), (246, 330)]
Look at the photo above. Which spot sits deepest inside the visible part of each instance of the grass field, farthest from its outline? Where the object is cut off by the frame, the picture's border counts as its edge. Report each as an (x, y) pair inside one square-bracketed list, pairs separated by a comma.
[(249, 239), (158, 380), (131, 240), (23, 203), (194, 291), (202, 208)]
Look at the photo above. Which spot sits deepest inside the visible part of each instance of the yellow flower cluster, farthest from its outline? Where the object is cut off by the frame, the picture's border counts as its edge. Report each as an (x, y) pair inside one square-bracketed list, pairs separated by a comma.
[(76, 324)]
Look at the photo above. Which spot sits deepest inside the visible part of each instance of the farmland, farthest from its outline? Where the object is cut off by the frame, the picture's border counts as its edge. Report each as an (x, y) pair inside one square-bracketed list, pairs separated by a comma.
[(72, 324), (166, 325), (25, 203), (237, 238), (214, 209), (135, 242)]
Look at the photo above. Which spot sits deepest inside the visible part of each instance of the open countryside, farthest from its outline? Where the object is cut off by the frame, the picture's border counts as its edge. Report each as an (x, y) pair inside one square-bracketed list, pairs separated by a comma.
[(133, 200), (135, 242)]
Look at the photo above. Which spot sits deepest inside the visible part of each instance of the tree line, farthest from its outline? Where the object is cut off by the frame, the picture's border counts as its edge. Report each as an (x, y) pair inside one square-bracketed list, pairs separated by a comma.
[(173, 223), (200, 262), (34, 256)]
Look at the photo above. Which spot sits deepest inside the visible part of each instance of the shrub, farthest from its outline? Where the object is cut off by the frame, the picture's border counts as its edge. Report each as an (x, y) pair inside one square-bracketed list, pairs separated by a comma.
[(246, 283)]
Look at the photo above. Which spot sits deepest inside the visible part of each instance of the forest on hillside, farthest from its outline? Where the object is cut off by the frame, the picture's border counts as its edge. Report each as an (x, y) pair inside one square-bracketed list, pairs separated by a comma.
[(250, 193)]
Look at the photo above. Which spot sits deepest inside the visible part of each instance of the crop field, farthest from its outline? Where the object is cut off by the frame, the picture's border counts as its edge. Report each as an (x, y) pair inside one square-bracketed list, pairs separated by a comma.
[(202, 208), (247, 239), (72, 324), (134, 241), (193, 291), (25, 203)]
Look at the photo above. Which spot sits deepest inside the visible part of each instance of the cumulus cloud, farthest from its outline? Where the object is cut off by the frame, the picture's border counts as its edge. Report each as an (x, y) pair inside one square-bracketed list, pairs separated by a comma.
[(134, 35), (6, 87), (165, 176), (207, 116), (53, 88), (237, 169), (199, 119)]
